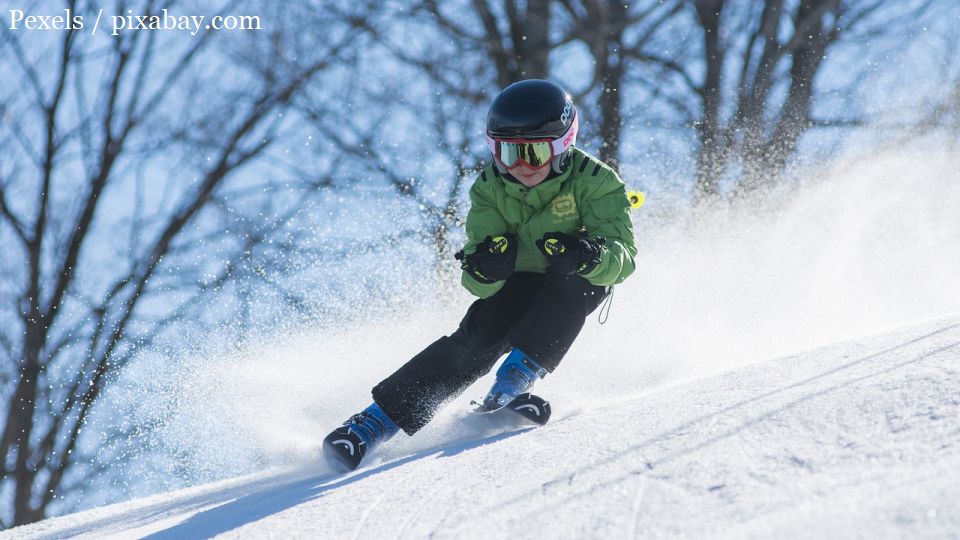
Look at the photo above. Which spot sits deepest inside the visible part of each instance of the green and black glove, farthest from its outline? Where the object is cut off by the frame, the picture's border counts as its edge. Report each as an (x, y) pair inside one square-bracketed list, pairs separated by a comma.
[(494, 259), (568, 254)]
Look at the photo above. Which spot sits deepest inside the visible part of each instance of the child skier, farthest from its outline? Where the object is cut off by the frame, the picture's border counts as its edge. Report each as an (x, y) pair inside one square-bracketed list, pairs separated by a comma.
[(548, 235)]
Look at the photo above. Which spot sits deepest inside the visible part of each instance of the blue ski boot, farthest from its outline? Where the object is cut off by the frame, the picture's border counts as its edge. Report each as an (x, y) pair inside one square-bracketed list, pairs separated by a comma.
[(515, 376), (348, 444)]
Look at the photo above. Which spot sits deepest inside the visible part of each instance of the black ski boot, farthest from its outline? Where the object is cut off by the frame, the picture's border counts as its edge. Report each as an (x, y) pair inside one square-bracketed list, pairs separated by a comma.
[(346, 446)]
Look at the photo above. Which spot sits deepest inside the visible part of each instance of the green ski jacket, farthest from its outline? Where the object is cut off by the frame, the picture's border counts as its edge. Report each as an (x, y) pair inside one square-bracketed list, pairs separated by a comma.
[(588, 198)]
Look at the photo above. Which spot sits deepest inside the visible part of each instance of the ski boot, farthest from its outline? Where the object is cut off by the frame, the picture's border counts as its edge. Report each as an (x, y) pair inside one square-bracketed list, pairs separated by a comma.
[(348, 444), (516, 375)]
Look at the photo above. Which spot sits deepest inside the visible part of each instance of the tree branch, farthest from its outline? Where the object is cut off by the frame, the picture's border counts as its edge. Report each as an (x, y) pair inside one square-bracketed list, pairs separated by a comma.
[(15, 223)]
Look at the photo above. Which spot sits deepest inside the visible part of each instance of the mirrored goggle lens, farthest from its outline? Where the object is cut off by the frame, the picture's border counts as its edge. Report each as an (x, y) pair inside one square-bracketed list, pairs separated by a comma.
[(535, 154)]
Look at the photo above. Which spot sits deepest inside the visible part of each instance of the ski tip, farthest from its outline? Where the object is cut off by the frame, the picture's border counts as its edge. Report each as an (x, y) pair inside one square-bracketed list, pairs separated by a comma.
[(343, 450), (532, 407)]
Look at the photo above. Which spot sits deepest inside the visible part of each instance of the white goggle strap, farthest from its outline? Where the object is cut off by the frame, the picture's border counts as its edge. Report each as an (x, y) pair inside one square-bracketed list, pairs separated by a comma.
[(569, 138)]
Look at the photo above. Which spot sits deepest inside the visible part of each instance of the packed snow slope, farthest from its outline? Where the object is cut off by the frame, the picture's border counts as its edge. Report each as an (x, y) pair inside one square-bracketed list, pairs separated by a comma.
[(859, 439)]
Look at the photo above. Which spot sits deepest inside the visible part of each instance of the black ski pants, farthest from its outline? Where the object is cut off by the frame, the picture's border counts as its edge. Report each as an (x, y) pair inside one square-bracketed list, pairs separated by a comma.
[(541, 314)]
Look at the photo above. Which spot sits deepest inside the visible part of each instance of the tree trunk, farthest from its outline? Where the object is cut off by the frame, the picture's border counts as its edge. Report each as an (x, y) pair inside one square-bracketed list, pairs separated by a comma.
[(611, 121), (765, 155), (713, 151), (529, 42)]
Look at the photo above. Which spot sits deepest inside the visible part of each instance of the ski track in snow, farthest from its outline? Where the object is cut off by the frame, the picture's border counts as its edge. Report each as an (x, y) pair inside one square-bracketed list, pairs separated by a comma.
[(859, 439)]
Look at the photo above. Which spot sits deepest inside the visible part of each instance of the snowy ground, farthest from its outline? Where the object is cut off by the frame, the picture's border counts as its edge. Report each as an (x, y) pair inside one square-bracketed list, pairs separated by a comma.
[(669, 420), (859, 439)]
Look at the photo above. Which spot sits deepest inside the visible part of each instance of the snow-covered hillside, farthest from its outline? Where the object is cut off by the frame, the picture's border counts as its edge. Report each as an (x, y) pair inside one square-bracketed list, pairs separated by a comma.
[(690, 412), (856, 439)]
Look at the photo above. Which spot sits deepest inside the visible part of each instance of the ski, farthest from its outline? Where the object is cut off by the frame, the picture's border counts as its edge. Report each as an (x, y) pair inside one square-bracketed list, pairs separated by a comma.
[(530, 406), (343, 449)]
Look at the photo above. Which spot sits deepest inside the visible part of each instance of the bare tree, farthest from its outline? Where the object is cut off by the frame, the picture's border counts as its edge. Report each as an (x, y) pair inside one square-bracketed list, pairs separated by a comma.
[(419, 134), (517, 36), (611, 30), (750, 85), (119, 182)]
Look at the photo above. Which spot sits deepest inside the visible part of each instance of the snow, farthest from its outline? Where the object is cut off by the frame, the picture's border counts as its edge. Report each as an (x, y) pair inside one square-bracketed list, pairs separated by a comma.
[(789, 373), (858, 439)]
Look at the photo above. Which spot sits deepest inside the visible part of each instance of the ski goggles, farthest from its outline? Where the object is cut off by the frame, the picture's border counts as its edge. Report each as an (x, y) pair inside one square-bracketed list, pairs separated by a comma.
[(536, 153)]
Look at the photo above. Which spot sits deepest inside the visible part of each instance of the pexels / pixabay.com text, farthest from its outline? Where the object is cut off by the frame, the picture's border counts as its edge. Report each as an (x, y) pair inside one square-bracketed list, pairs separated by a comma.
[(115, 24)]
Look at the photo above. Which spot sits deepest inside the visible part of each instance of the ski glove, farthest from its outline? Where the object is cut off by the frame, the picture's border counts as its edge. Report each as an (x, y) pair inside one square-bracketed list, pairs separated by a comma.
[(494, 259), (568, 254)]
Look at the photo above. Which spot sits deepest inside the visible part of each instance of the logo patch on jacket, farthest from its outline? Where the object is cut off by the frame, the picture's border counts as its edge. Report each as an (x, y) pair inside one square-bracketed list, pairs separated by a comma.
[(564, 207)]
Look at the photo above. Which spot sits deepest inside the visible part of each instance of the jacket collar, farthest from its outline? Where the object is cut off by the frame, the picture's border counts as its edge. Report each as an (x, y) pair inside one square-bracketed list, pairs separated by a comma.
[(539, 195)]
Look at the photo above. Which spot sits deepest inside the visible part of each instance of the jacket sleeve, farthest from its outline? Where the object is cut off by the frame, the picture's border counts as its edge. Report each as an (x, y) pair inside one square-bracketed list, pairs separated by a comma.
[(607, 214), (483, 219)]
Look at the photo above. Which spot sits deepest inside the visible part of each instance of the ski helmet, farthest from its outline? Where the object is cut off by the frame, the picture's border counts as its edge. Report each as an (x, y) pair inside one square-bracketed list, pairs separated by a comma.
[(534, 109)]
